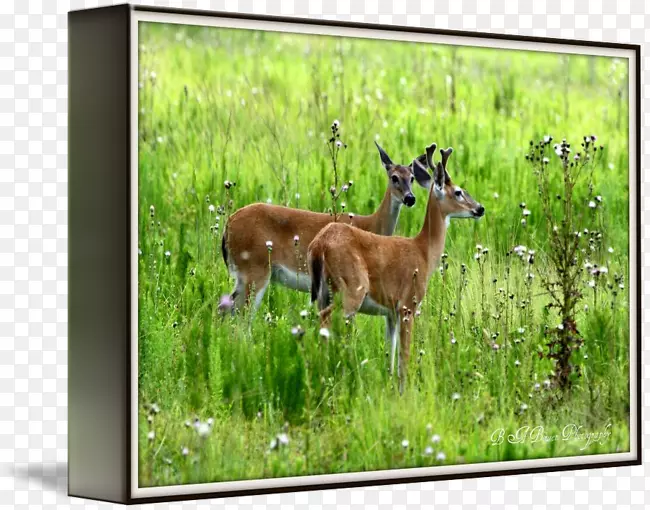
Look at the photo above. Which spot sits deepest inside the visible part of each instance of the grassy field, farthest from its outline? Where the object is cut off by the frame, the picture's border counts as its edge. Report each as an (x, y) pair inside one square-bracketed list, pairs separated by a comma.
[(256, 108)]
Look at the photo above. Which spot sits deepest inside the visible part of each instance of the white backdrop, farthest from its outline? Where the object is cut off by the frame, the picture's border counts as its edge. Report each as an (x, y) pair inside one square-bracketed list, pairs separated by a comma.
[(33, 249)]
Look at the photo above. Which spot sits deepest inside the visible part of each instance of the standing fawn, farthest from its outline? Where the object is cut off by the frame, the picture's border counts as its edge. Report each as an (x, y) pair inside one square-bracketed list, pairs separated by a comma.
[(388, 275), (265, 242)]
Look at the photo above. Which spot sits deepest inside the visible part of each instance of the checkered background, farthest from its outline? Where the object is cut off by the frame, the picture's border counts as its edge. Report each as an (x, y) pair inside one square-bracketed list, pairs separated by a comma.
[(33, 248)]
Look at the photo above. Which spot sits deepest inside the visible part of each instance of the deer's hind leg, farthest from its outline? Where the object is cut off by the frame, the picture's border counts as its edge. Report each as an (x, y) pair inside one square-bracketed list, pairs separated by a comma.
[(256, 285), (353, 292)]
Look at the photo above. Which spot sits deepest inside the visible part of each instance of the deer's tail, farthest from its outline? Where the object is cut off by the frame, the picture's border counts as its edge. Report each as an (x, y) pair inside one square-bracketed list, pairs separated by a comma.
[(316, 266)]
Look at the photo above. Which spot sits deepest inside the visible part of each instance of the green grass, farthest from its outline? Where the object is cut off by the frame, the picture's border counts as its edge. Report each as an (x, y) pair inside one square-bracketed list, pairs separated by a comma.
[(255, 108)]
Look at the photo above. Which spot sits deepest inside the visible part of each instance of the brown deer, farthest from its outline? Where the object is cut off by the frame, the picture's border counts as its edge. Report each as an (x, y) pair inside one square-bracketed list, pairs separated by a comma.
[(388, 275), (264, 242)]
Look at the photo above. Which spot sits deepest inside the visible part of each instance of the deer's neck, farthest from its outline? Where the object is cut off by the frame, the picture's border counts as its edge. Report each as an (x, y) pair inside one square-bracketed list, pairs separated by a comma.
[(431, 239), (384, 220)]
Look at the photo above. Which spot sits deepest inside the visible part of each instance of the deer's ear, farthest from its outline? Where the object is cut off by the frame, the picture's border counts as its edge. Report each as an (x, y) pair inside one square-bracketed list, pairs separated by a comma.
[(385, 160), (420, 173)]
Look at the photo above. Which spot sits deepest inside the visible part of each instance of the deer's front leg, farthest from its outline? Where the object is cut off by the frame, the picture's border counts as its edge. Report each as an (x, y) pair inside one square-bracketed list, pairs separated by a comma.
[(405, 330), (392, 327)]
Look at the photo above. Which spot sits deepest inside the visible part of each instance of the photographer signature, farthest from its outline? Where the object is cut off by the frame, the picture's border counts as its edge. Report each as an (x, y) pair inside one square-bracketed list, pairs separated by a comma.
[(537, 434)]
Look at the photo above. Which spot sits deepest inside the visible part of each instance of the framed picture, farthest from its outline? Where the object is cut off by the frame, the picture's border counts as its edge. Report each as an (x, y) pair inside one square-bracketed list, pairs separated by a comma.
[(309, 254)]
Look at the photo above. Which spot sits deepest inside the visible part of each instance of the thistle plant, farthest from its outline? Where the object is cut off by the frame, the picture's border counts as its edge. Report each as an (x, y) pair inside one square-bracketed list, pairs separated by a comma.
[(334, 145), (566, 212)]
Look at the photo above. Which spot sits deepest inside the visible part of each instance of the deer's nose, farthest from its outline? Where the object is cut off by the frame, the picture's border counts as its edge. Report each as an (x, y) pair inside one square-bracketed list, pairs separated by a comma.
[(480, 211), (409, 200)]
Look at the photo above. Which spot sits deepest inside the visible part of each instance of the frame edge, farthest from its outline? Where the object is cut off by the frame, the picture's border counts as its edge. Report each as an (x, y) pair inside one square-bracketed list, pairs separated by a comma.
[(98, 253)]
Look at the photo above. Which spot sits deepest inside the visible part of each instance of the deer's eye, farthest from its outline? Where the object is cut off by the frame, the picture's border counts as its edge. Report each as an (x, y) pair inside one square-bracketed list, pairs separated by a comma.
[(394, 179), (412, 178), (459, 193)]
